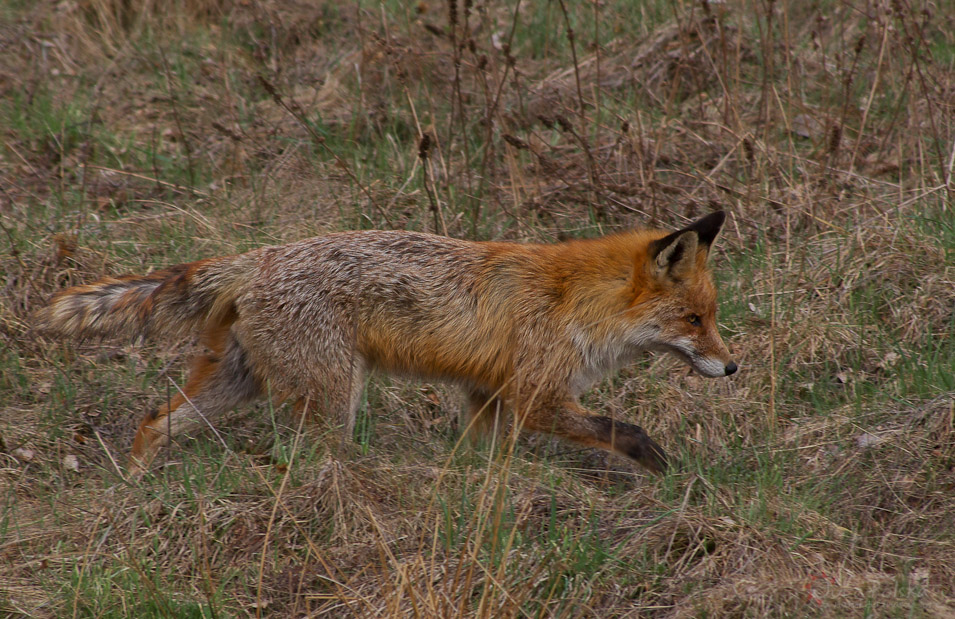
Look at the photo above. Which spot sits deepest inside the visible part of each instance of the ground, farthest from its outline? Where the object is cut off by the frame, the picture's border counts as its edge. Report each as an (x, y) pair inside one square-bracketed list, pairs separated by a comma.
[(817, 481)]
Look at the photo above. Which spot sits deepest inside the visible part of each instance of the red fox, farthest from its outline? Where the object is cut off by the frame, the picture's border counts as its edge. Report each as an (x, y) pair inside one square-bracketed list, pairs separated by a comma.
[(525, 328)]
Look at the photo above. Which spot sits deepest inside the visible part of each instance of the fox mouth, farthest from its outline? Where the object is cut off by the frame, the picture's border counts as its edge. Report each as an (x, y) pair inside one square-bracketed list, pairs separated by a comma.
[(710, 368)]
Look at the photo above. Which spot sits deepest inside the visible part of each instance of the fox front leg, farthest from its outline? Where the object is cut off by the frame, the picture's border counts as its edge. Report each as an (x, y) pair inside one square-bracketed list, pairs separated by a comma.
[(569, 420)]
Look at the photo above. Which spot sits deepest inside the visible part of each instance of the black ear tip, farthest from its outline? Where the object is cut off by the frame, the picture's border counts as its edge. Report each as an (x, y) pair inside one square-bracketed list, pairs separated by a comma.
[(708, 227)]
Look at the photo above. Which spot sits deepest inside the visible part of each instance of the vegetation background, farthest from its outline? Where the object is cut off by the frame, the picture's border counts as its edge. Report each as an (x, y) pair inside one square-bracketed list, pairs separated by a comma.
[(818, 481)]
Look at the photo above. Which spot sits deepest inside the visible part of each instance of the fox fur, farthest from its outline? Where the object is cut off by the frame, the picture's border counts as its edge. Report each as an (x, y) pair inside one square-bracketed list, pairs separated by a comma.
[(521, 327)]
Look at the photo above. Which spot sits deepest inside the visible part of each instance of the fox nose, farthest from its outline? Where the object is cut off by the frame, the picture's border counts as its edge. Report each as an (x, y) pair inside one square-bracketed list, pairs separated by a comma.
[(731, 368)]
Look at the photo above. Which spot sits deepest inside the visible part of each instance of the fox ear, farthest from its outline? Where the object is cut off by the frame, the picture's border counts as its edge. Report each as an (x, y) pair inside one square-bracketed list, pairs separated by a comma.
[(674, 256), (707, 228)]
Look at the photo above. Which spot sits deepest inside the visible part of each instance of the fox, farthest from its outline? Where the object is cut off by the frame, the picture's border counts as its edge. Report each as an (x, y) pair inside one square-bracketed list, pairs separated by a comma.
[(523, 328)]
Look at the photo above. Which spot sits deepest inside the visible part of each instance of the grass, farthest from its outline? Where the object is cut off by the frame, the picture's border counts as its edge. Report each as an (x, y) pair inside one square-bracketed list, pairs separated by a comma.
[(818, 481)]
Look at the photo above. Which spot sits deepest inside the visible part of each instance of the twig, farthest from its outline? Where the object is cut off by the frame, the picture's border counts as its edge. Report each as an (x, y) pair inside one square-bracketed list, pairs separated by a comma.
[(275, 508), (177, 118), (174, 186), (492, 110), (296, 112), (424, 153), (868, 104), (573, 54), (457, 104), (594, 177)]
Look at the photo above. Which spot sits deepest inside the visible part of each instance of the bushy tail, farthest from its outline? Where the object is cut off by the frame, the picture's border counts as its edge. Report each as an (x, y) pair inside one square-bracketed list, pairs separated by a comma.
[(168, 303)]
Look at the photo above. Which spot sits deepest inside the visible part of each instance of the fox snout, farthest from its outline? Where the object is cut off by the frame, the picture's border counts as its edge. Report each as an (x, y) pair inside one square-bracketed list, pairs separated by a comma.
[(708, 358), (713, 361), (712, 368), (722, 370)]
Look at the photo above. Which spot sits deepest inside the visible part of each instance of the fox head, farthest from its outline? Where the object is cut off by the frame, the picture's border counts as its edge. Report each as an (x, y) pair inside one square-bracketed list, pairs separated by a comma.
[(678, 297)]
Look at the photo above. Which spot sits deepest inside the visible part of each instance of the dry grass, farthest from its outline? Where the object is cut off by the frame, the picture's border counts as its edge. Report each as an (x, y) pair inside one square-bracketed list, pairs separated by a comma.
[(818, 481)]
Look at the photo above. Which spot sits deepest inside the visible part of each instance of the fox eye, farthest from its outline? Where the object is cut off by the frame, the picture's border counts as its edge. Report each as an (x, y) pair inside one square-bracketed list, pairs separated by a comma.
[(694, 320)]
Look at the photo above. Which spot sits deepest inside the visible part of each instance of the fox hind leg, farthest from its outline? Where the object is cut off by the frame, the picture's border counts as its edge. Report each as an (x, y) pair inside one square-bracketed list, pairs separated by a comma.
[(217, 383), (332, 395), (347, 398), (483, 413)]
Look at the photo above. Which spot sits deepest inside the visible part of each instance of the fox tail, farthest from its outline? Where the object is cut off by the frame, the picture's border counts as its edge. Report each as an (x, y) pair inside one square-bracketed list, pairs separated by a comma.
[(170, 303)]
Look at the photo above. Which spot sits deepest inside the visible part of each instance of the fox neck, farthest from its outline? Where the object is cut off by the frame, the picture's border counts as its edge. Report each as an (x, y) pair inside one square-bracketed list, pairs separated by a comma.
[(605, 353), (596, 289)]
